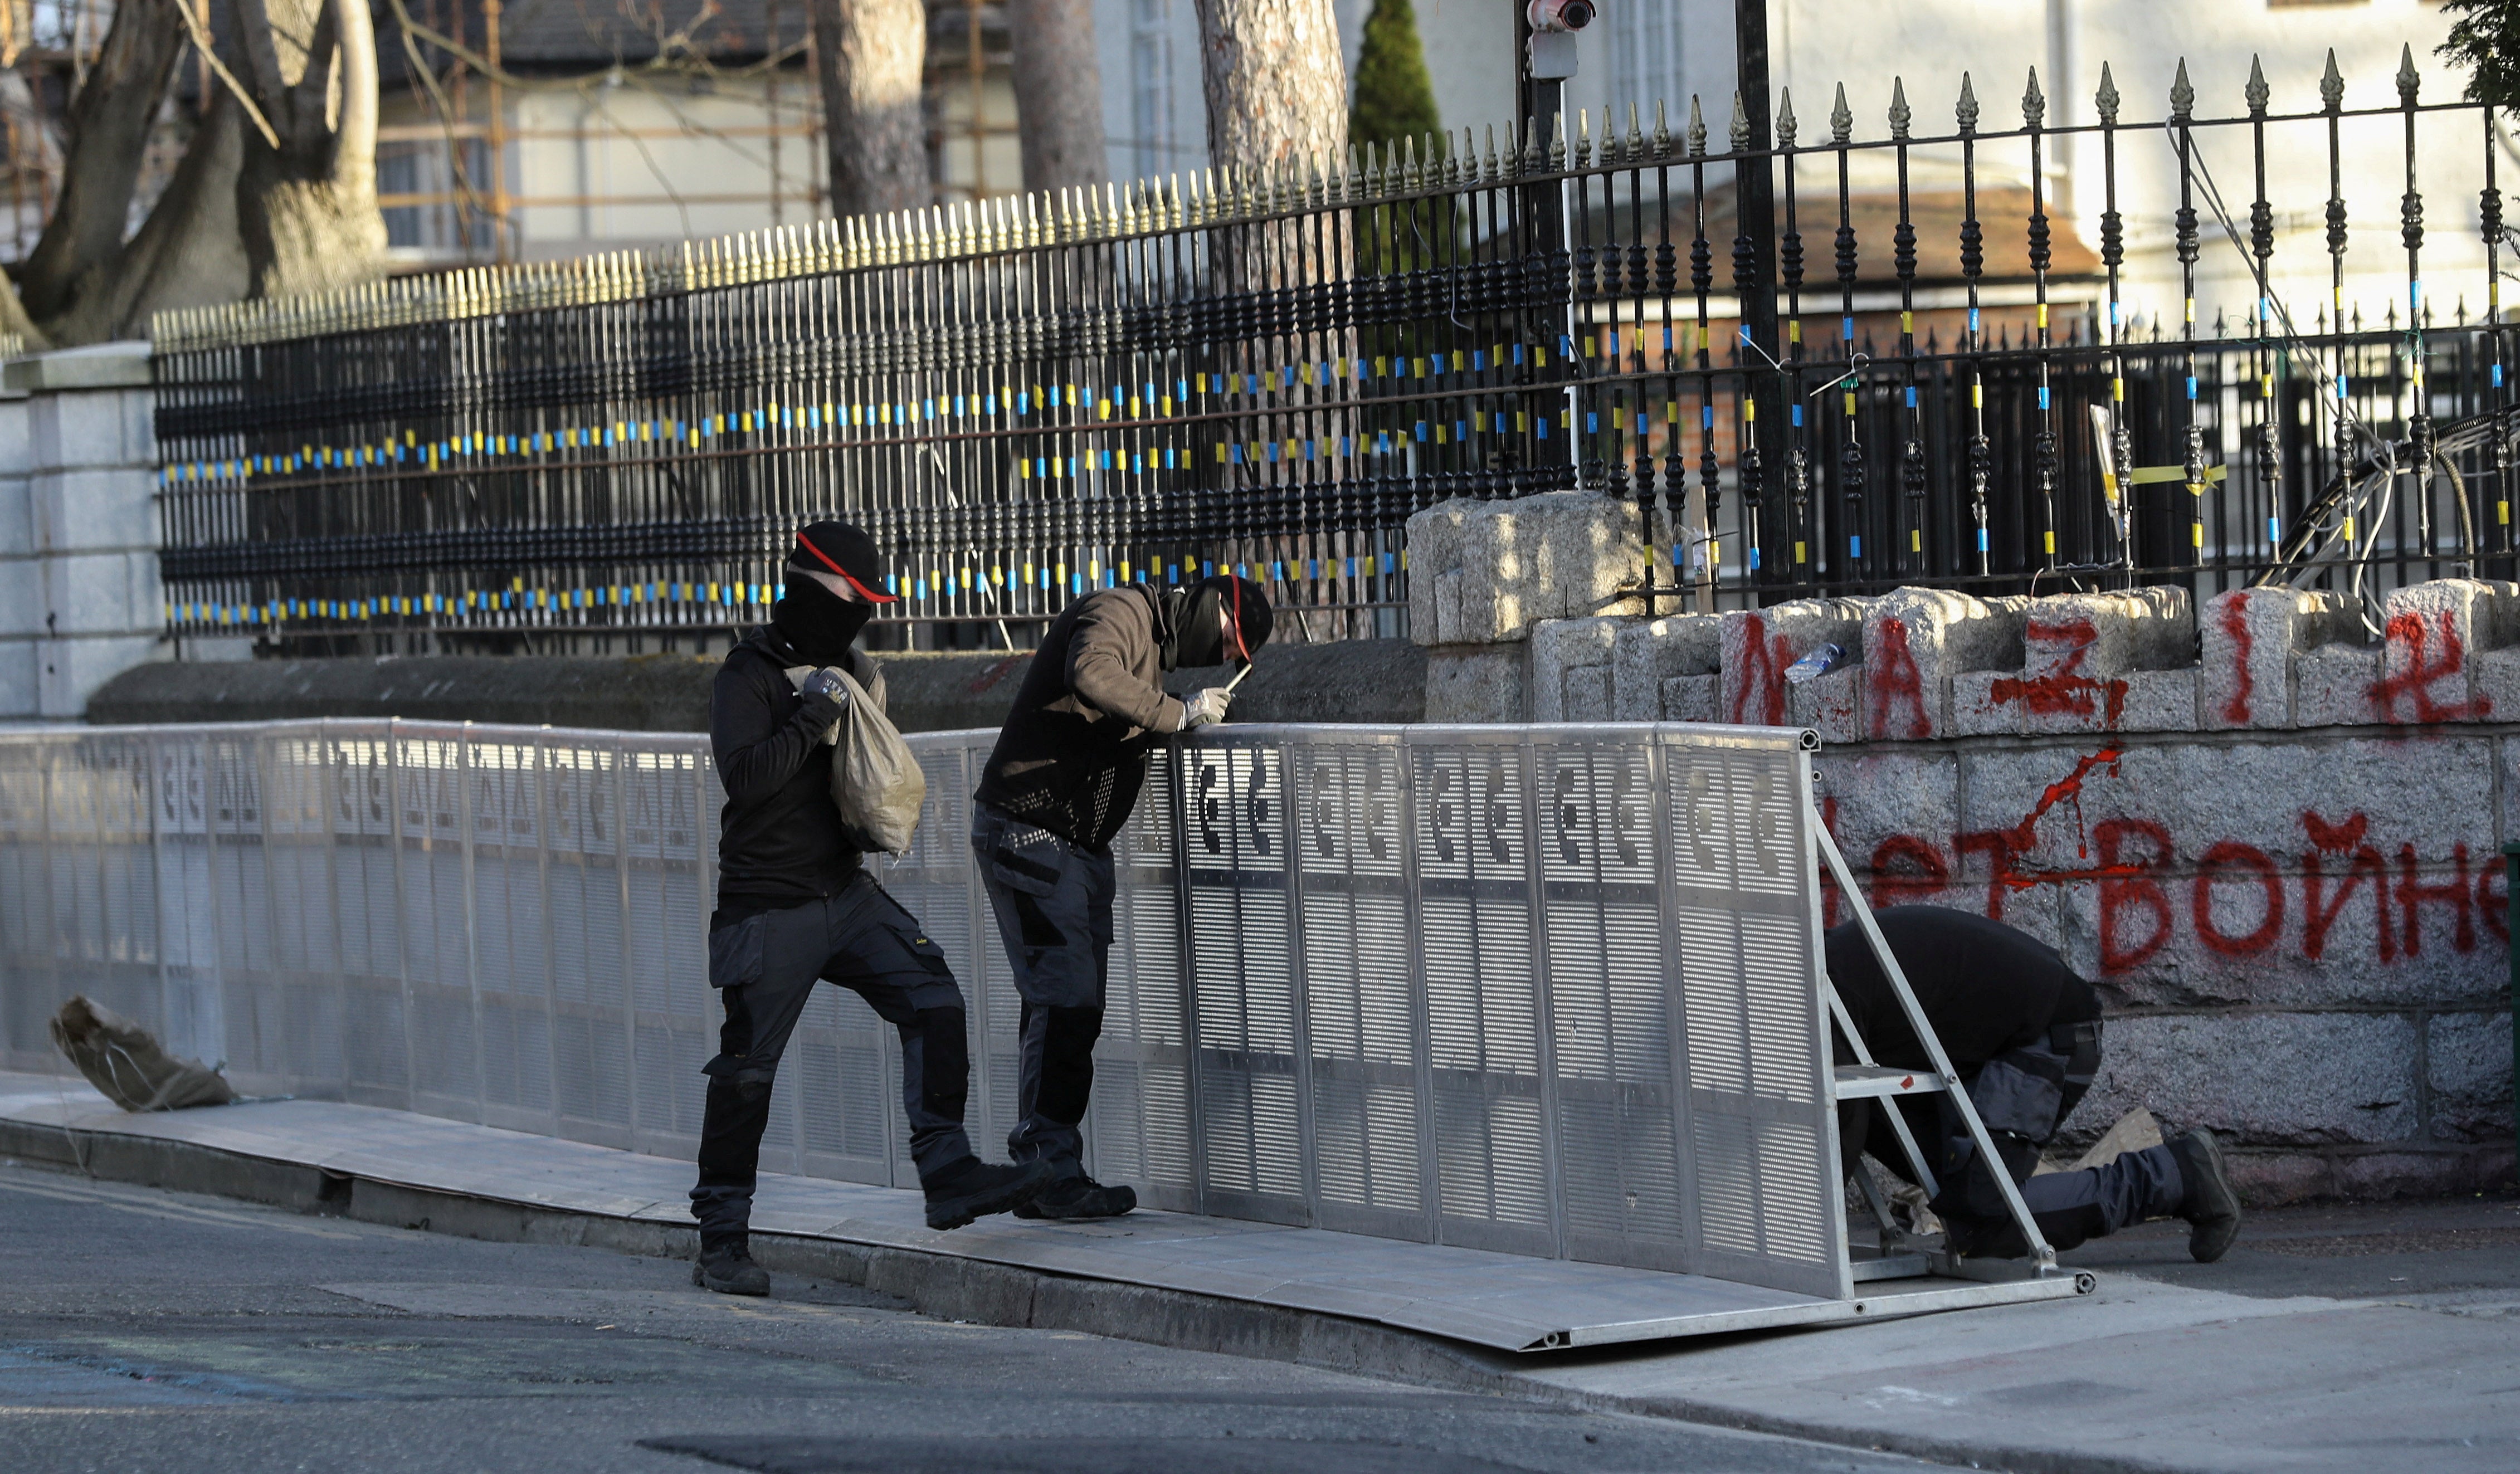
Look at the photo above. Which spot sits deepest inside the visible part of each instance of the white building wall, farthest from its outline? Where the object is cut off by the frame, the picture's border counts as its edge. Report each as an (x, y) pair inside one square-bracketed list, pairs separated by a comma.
[(1816, 44)]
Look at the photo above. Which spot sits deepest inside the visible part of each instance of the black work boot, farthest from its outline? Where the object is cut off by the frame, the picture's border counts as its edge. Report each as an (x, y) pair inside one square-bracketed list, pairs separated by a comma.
[(726, 1265), (973, 1189), (2212, 1209), (1080, 1196)]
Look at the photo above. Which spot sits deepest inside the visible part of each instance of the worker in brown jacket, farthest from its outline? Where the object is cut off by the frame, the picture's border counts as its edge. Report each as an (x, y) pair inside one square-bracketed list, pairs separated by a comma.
[(1059, 785)]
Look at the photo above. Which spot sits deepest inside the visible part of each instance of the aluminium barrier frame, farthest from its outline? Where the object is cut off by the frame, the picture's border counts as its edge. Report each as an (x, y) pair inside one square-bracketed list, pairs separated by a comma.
[(1548, 991)]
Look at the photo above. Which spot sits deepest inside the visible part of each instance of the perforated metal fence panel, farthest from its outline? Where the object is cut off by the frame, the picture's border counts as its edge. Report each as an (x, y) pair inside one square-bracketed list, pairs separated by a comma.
[(1549, 990)]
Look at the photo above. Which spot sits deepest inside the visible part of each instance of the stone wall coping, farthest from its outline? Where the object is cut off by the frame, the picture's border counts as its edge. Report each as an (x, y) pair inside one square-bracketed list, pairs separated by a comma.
[(101, 366)]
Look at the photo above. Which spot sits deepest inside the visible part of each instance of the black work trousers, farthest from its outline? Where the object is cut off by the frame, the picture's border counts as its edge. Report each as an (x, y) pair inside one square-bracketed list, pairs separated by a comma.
[(2022, 1096), (764, 967), (1052, 901)]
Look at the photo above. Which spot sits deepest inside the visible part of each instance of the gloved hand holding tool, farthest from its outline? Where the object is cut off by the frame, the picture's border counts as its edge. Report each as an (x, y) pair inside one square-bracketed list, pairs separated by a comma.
[(1209, 704)]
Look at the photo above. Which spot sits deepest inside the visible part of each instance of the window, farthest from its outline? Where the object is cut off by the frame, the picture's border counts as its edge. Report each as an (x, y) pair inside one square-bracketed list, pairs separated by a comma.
[(1151, 86), (1645, 46)]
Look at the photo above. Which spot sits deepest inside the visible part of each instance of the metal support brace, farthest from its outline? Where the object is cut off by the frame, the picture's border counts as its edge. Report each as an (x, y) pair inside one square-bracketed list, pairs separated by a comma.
[(1897, 1119), (2039, 1251)]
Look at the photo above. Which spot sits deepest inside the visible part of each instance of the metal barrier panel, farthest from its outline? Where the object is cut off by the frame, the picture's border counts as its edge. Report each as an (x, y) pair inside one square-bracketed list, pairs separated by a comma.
[(1546, 989), (1742, 920)]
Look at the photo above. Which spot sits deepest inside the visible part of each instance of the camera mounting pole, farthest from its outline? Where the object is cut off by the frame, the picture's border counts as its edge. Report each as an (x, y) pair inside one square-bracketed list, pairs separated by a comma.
[(1544, 56), (1756, 199)]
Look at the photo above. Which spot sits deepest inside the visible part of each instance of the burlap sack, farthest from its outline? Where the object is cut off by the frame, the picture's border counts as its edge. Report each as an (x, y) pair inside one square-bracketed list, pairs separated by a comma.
[(877, 783), (125, 1061)]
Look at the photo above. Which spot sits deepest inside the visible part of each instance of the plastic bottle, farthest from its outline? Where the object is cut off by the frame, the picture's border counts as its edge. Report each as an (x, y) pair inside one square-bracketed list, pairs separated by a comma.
[(1812, 667)]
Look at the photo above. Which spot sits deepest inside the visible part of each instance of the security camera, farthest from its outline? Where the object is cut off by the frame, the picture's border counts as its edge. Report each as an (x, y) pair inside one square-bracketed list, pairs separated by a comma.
[(1546, 15)]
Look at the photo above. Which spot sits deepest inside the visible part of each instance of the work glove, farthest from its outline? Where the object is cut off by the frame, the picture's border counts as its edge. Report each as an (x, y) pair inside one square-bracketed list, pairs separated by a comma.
[(826, 684), (1205, 706)]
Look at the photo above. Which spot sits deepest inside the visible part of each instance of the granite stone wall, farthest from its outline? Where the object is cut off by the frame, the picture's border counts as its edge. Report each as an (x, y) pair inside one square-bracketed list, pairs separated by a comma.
[(2272, 840)]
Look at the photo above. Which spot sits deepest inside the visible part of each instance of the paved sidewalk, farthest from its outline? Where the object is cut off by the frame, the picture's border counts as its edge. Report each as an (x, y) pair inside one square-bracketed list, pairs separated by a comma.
[(2333, 1338)]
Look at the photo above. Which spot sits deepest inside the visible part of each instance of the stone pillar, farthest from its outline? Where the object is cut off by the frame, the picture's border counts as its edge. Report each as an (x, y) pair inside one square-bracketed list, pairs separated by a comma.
[(78, 527), (1483, 576)]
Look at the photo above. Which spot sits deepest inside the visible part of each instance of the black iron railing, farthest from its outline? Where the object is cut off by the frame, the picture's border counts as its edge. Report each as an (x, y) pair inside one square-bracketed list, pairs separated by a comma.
[(1031, 397)]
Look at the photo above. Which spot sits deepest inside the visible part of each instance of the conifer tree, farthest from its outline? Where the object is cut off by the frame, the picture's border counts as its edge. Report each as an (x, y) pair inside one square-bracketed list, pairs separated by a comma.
[(1394, 99)]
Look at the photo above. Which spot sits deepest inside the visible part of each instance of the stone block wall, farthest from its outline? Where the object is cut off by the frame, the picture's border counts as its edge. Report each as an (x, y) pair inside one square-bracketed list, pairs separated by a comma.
[(79, 596), (2272, 841)]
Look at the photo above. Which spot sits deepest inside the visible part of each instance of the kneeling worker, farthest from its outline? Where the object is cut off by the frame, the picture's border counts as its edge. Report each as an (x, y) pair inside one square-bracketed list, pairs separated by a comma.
[(795, 904), (1059, 785), (2023, 1032)]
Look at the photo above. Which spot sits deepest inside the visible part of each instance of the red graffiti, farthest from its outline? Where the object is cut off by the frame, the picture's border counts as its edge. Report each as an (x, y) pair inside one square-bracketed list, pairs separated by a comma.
[(2001, 848), (2232, 855), (1891, 887), (2235, 623), (1895, 681), (2066, 789), (2127, 887), (2138, 917), (2363, 863), (2416, 664), (2413, 892), (1763, 659), (2066, 687)]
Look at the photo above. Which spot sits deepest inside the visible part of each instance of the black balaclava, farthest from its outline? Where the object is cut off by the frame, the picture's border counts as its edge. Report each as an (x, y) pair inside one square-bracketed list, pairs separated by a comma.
[(1197, 640), (815, 622)]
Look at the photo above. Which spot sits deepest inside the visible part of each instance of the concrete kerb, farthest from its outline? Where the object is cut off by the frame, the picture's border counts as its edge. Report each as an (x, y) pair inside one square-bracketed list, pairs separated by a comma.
[(970, 1290)]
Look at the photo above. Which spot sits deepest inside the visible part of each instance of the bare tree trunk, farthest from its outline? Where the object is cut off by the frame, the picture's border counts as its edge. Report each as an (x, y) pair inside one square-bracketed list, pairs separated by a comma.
[(185, 254), (306, 209), (1276, 82), (109, 123), (871, 54), (1059, 93)]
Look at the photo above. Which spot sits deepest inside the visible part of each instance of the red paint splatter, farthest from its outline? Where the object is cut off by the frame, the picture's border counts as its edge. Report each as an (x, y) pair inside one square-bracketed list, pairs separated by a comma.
[(2066, 687), (2066, 789), (2413, 892), (2002, 847), (1762, 680), (1896, 887), (2232, 855), (2363, 863), (2417, 663), (2493, 904), (1895, 681), (2235, 623)]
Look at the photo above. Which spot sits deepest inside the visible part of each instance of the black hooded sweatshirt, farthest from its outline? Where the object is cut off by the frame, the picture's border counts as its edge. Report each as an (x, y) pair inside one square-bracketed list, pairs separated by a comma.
[(1985, 987), (1072, 755), (781, 843)]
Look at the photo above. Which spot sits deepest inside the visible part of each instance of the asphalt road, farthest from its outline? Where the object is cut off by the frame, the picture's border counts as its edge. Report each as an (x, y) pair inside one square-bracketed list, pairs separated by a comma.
[(149, 1330), (2458, 1254)]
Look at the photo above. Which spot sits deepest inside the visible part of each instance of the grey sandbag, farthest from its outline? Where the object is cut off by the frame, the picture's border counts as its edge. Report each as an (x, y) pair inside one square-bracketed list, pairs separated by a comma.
[(126, 1062), (877, 783)]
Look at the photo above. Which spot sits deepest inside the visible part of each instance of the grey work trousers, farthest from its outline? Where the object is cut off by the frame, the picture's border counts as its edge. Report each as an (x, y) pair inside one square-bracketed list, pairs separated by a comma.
[(1052, 901), (764, 967)]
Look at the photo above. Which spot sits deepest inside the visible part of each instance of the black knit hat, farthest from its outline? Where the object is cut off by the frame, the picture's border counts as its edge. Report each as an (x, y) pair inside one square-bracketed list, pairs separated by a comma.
[(841, 548)]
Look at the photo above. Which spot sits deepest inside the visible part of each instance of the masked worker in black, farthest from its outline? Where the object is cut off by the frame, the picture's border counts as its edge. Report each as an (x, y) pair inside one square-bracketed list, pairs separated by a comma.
[(1058, 786), (2023, 1031), (795, 904)]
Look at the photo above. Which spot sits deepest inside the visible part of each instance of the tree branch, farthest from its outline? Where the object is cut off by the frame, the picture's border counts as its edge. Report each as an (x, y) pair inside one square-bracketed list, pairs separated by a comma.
[(210, 54)]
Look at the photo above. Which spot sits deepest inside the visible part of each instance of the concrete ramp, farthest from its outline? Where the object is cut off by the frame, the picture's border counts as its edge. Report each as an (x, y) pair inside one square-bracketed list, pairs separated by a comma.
[(1507, 1302)]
